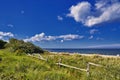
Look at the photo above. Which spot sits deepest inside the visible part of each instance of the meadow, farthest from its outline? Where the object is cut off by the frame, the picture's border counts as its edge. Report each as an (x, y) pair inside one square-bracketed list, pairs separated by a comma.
[(15, 66)]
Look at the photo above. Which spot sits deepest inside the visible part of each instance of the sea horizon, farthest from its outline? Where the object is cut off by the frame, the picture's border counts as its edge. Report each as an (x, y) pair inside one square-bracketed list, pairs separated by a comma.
[(103, 51)]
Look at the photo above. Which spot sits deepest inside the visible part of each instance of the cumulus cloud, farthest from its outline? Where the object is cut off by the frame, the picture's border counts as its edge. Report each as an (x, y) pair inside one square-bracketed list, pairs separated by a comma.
[(109, 13), (98, 38), (43, 37), (1, 37), (80, 11), (37, 37), (70, 37), (91, 37), (60, 18), (22, 11), (102, 11), (92, 31), (6, 34), (62, 41), (10, 25)]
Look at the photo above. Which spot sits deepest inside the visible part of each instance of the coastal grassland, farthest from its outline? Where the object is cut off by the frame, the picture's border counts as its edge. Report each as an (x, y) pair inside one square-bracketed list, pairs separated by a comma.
[(22, 67)]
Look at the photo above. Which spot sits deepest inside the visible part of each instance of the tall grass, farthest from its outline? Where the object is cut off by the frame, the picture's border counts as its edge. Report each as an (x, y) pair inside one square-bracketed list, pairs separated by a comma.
[(23, 67)]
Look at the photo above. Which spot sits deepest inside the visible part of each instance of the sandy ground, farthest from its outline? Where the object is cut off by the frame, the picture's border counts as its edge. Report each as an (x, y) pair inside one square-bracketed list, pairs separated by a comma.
[(109, 56)]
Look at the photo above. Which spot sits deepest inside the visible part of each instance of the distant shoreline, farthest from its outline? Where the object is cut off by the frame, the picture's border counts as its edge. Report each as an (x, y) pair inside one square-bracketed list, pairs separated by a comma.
[(83, 54), (112, 52)]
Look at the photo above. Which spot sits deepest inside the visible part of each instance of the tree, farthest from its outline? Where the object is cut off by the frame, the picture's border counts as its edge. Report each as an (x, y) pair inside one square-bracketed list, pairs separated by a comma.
[(2, 44)]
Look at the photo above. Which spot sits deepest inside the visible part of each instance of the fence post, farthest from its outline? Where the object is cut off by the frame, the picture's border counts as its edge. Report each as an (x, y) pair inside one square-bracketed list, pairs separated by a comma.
[(88, 69), (60, 60)]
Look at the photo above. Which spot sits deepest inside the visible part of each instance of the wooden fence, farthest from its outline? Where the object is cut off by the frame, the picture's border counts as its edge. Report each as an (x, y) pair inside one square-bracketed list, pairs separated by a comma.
[(39, 57), (87, 70)]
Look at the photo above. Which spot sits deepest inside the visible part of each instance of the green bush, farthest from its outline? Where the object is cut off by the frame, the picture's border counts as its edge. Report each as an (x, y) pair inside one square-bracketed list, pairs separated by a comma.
[(19, 46), (2, 44), (0, 59)]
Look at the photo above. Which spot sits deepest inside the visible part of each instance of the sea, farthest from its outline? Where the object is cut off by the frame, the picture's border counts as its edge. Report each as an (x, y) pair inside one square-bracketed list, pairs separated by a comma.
[(103, 51)]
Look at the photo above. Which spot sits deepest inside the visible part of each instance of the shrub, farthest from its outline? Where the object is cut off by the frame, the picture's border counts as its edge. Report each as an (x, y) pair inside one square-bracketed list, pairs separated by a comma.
[(0, 59), (19, 46), (2, 44)]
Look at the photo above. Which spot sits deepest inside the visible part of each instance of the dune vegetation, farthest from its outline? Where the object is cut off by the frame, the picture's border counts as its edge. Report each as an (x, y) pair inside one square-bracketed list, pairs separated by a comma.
[(23, 67), (16, 64)]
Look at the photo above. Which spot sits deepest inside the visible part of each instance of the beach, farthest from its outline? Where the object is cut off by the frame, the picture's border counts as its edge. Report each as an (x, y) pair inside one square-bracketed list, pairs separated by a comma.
[(83, 54)]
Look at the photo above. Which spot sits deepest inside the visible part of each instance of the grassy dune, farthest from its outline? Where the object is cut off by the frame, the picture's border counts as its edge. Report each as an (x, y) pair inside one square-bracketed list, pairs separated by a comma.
[(23, 67)]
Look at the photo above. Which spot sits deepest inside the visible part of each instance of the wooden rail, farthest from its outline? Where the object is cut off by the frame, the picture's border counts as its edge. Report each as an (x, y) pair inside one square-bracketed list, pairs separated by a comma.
[(86, 70), (94, 64), (65, 65), (71, 66), (39, 57)]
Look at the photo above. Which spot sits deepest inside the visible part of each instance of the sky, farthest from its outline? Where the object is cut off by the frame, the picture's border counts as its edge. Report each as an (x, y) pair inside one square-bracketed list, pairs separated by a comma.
[(62, 23)]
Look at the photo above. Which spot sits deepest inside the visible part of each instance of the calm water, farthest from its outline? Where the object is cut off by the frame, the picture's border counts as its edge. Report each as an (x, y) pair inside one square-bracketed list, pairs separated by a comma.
[(89, 51)]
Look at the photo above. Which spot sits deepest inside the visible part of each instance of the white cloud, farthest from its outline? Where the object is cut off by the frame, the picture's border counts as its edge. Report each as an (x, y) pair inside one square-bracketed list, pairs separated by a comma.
[(6, 34), (100, 5), (80, 11), (10, 25), (71, 37), (62, 41), (109, 13), (106, 10), (22, 11), (91, 37), (43, 37), (60, 18), (92, 31), (98, 38), (37, 37), (49, 38), (1, 37)]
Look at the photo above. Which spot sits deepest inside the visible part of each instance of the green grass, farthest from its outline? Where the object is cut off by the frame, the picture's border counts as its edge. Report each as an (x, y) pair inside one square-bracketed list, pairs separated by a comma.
[(23, 67)]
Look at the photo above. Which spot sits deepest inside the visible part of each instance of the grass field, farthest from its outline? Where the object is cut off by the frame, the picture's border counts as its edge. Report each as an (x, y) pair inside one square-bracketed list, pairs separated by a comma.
[(22, 67)]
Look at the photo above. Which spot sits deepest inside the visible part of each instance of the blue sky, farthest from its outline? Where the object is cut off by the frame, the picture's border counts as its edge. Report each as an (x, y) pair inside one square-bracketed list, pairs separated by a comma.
[(62, 23)]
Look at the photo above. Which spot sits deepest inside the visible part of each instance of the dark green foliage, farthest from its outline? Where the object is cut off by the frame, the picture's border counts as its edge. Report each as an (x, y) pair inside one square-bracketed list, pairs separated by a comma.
[(0, 59), (19, 46), (2, 44)]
